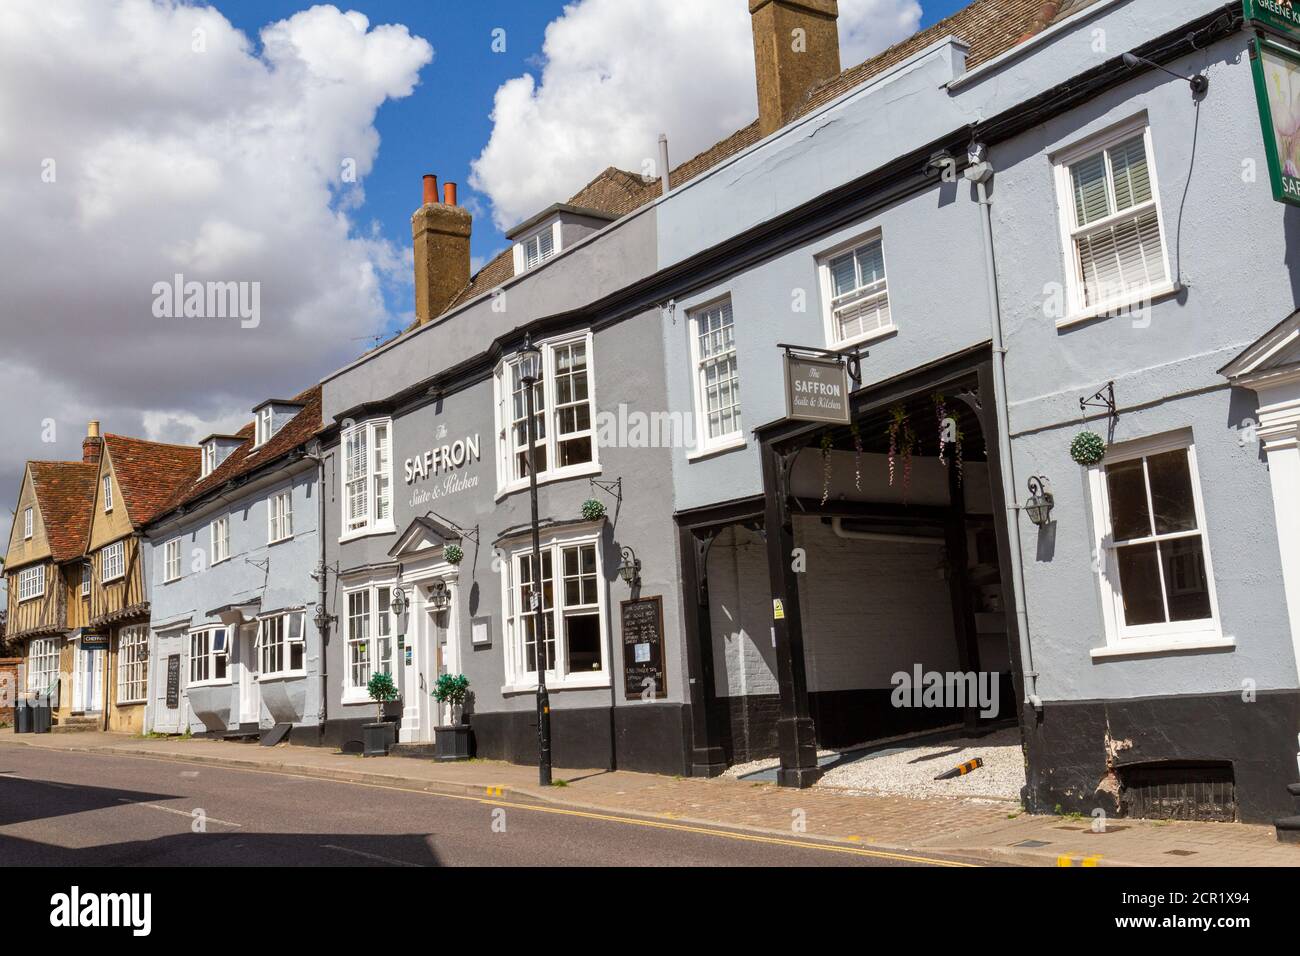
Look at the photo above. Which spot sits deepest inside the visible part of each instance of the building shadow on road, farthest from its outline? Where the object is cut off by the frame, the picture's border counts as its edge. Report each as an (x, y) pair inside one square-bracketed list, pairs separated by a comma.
[(230, 849), (24, 799)]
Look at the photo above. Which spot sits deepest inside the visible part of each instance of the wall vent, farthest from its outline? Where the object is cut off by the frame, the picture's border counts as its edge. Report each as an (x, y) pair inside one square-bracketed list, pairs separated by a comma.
[(1179, 790)]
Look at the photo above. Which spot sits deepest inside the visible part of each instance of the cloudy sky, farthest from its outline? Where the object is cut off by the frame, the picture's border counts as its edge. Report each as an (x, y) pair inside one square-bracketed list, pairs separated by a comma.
[(275, 142)]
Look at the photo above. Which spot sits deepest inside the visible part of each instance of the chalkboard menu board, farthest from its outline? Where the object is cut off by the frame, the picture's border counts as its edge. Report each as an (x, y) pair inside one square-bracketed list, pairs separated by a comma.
[(173, 681), (644, 675)]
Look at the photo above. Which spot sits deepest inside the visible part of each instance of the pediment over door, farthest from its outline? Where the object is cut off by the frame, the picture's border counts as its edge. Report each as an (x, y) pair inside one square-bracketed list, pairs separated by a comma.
[(422, 536), (1272, 359)]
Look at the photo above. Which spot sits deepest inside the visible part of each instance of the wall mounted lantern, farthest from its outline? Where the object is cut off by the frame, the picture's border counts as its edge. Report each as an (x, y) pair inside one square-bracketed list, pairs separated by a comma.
[(398, 603), (439, 596), (630, 568), (1039, 505)]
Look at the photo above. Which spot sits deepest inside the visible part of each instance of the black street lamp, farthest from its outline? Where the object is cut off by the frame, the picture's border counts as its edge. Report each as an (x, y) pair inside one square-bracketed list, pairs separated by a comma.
[(530, 373)]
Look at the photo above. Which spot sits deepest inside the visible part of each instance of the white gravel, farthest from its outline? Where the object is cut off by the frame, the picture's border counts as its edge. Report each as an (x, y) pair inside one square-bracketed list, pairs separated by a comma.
[(911, 772)]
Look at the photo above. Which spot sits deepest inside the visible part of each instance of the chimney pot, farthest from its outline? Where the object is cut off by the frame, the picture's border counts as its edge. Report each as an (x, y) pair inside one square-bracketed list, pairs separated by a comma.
[(449, 194), (430, 189)]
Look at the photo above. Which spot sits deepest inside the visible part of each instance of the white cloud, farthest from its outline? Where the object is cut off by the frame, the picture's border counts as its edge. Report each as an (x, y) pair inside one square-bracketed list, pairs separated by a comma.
[(616, 74), (176, 146)]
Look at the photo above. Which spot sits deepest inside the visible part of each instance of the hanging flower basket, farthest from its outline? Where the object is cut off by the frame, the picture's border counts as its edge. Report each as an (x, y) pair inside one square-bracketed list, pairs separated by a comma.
[(593, 510), (453, 554), (1088, 448)]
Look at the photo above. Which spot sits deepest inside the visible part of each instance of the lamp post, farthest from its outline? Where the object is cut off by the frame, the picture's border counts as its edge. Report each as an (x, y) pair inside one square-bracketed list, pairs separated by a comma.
[(530, 370)]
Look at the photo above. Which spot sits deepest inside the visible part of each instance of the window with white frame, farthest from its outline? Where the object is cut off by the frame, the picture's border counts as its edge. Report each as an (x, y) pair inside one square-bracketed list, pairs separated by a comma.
[(563, 414), (209, 458), (717, 378), (87, 573), (572, 610), (27, 523), (42, 665), (219, 533), (264, 428), (370, 631), (279, 508), (172, 560), (367, 478), (113, 562), (1155, 573), (538, 247), (280, 644), (108, 493), (856, 294), (132, 664), (208, 655), (1110, 210), (31, 582)]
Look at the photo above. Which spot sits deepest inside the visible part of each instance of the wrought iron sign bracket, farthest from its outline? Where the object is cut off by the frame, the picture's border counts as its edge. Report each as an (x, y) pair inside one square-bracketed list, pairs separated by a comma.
[(1103, 398), (470, 534), (612, 488), (852, 357)]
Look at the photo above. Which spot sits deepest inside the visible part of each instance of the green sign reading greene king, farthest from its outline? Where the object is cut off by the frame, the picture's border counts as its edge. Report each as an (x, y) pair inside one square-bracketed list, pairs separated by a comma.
[(1276, 69), (1281, 15)]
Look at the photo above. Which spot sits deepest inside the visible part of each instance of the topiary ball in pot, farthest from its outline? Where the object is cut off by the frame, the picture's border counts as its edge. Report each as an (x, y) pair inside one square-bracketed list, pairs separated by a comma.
[(593, 510), (453, 554), (1088, 448)]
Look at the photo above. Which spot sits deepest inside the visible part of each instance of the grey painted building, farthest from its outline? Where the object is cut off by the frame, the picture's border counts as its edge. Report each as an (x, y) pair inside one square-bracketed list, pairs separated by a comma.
[(234, 648), (976, 296)]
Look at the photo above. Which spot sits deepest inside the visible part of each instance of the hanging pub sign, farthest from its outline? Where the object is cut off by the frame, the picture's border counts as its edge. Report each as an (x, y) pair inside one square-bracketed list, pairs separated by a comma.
[(1280, 15), (1276, 69), (816, 389)]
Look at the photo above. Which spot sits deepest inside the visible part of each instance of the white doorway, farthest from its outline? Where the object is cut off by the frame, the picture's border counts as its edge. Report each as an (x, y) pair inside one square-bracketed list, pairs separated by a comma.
[(429, 650), (88, 680), (167, 685), (250, 692)]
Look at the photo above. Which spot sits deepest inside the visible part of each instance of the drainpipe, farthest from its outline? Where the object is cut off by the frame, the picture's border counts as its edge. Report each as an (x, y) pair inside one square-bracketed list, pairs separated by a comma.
[(323, 714), (663, 162), (980, 174)]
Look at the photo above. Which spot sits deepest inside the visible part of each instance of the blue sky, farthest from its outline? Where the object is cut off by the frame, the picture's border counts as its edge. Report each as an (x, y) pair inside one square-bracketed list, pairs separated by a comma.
[(445, 124)]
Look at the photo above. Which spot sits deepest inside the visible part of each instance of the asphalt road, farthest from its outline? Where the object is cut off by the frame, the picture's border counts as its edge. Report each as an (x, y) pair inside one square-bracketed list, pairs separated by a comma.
[(75, 809)]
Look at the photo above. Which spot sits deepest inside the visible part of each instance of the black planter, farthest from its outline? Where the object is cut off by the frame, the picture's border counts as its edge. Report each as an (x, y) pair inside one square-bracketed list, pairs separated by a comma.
[(377, 738), (22, 718), (453, 742)]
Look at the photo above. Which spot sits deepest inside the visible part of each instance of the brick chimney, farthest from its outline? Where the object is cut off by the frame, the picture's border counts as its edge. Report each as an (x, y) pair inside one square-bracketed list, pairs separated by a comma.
[(796, 48), (92, 444), (440, 231)]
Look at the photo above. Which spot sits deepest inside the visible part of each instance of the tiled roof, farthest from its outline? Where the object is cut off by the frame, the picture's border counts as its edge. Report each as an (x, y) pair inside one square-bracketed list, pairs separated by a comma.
[(66, 493), (244, 458), (149, 473), (990, 27)]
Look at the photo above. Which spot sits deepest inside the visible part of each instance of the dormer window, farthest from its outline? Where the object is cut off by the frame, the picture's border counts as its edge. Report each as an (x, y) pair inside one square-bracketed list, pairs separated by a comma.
[(265, 426), (538, 248), (553, 230), (209, 458)]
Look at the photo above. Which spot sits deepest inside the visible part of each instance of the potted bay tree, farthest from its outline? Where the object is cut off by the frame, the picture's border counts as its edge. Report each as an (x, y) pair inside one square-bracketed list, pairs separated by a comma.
[(453, 740), (379, 736)]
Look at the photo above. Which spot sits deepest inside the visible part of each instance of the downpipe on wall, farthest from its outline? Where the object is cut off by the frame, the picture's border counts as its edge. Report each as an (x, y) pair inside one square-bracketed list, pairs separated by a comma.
[(979, 173)]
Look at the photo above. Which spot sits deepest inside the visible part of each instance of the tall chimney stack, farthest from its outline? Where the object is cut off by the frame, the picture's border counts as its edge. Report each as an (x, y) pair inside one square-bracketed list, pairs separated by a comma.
[(440, 232), (796, 48), (92, 444)]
